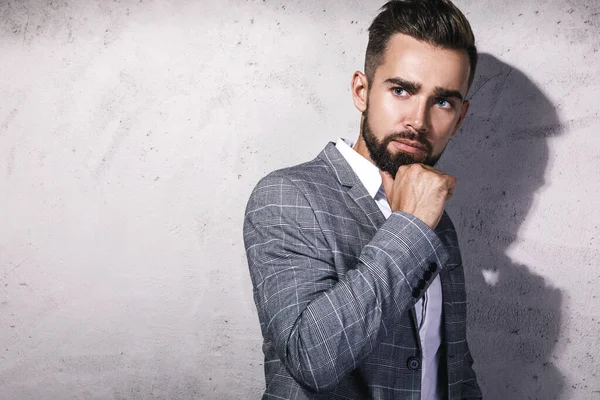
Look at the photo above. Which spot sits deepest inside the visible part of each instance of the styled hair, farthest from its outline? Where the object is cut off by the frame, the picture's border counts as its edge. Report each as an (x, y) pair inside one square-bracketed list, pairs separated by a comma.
[(437, 22)]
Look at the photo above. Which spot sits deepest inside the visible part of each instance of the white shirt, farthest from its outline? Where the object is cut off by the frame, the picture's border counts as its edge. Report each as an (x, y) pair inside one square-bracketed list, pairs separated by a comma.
[(430, 334)]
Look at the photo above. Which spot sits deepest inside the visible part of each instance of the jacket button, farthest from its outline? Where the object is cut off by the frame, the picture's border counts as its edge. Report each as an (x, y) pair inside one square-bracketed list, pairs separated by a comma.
[(427, 275), (414, 364), (421, 284), (433, 267), (416, 293)]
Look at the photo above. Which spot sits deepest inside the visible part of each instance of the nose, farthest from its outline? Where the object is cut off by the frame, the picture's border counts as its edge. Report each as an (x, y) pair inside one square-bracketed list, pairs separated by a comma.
[(418, 117)]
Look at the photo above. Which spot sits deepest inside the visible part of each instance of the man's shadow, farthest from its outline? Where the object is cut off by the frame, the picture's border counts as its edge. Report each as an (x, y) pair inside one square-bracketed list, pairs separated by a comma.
[(499, 158)]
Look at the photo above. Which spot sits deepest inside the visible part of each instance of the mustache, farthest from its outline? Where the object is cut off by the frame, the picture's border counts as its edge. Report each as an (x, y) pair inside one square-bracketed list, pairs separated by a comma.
[(408, 135)]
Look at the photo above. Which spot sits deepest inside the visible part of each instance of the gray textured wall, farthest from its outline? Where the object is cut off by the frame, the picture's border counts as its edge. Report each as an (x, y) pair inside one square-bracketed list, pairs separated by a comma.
[(131, 134)]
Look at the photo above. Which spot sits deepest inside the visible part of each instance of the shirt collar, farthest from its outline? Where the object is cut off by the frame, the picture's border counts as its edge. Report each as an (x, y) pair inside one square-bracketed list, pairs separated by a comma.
[(367, 173)]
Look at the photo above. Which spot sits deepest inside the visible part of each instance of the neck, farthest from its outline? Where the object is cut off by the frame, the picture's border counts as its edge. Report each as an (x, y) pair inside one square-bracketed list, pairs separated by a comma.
[(361, 148)]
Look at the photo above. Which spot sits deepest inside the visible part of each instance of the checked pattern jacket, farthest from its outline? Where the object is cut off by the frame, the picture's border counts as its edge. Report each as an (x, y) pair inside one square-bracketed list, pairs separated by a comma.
[(335, 285)]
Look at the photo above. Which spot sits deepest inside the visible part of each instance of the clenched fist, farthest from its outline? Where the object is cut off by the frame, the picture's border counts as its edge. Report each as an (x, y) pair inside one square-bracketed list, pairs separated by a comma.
[(419, 190)]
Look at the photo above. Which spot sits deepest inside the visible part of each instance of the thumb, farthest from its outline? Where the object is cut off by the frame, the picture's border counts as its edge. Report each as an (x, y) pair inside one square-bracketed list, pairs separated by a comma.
[(388, 183), (450, 194)]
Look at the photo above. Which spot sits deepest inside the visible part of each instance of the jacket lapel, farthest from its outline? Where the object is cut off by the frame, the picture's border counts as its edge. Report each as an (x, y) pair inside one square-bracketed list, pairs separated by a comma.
[(348, 178)]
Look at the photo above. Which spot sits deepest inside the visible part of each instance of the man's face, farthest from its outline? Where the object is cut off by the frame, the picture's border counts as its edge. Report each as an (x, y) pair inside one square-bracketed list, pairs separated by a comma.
[(414, 104)]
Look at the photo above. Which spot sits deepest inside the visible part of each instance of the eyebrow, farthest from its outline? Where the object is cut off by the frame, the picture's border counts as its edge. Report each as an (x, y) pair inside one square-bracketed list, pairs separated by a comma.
[(441, 92), (408, 85), (415, 87)]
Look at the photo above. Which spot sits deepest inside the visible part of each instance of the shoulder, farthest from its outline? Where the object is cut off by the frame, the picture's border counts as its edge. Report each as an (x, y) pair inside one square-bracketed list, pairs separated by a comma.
[(301, 179), (311, 171), (287, 197)]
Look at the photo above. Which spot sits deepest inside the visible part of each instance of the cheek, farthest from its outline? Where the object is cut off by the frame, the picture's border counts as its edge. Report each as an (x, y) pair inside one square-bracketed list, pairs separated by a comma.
[(444, 122), (383, 114), (444, 119), (440, 145)]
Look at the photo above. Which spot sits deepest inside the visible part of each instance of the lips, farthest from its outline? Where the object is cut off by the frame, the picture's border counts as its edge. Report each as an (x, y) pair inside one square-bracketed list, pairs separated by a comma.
[(410, 146)]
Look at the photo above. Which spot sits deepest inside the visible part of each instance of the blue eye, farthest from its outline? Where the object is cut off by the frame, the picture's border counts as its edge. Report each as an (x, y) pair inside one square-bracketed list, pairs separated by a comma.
[(399, 91), (443, 103)]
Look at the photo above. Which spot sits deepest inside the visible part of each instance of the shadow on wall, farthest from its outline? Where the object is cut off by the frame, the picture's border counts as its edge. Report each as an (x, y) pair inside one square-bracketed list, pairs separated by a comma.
[(500, 157)]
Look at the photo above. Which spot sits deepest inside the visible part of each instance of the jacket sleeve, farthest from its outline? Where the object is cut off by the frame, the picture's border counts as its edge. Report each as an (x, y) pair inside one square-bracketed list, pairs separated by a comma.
[(323, 325)]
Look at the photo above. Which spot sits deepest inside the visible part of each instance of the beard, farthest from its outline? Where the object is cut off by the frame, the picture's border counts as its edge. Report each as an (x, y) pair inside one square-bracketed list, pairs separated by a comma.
[(389, 162)]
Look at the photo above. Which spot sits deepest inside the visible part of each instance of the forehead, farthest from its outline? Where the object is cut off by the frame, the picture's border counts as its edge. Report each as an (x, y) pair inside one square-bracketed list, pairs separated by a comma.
[(418, 61)]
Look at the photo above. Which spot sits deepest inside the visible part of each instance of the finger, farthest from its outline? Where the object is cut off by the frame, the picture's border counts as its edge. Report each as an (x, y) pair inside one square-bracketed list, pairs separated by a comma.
[(451, 182), (388, 183), (402, 171), (451, 186), (429, 168)]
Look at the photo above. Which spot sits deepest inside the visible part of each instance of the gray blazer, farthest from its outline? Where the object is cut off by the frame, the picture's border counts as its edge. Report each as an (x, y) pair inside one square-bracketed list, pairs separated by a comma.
[(335, 285)]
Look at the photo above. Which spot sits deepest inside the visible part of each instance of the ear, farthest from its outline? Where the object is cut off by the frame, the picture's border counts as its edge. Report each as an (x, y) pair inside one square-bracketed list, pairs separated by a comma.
[(463, 114), (360, 89)]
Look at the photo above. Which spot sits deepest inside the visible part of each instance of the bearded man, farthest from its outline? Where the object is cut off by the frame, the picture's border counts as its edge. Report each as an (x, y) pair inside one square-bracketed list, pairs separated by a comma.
[(355, 265)]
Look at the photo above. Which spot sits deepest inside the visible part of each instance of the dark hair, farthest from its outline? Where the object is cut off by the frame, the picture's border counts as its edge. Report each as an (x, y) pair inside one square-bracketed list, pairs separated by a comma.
[(437, 22)]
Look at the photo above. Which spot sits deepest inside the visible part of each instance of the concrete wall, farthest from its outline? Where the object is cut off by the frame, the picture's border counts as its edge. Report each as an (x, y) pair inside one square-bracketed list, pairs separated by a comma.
[(131, 134)]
